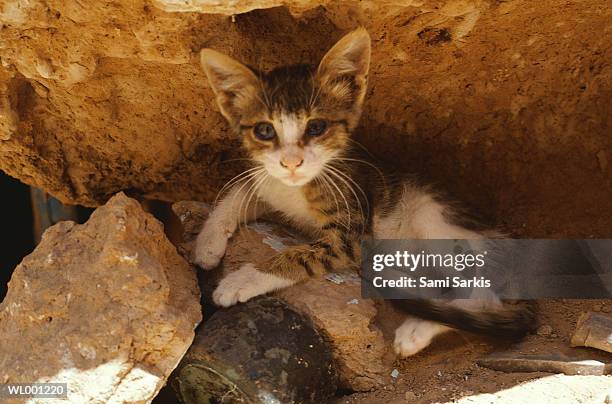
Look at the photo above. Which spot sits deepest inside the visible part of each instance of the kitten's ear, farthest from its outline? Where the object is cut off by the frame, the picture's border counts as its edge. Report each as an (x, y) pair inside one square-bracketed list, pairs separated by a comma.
[(343, 71), (234, 84)]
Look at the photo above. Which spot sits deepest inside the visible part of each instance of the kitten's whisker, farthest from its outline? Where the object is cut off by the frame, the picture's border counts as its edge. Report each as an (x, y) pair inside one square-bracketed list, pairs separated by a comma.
[(324, 183), (249, 195), (314, 95), (365, 149), (237, 177), (251, 182), (256, 191), (240, 176), (362, 162), (348, 185), (316, 98), (242, 217), (382, 176), (328, 180), (267, 103), (250, 179), (348, 208), (236, 180), (242, 209), (312, 91), (264, 103), (348, 177)]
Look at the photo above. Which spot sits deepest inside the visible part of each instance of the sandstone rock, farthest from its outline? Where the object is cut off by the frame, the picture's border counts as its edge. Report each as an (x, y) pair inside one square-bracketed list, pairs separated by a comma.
[(108, 307), (234, 7), (359, 345), (97, 97), (350, 323), (550, 364), (593, 330), (8, 117)]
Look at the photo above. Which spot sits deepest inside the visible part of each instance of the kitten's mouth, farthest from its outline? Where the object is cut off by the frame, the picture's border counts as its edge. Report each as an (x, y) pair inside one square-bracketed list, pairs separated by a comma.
[(296, 179)]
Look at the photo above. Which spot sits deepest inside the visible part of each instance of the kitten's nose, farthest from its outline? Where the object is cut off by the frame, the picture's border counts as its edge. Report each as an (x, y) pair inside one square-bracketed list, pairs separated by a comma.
[(292, 162)]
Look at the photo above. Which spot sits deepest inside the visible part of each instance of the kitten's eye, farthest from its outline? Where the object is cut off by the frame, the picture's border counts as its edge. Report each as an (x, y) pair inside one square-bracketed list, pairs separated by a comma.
[(264, 131), (316, 127)]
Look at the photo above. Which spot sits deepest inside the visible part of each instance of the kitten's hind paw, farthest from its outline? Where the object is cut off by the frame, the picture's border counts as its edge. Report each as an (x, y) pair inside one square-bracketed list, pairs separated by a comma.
[(246, 283), (414, 335)]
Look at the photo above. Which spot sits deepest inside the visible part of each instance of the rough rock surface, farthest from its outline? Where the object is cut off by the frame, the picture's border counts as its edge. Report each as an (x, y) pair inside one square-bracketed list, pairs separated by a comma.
[(362, 352), (352, 325), (235, 6), (108, 307), (505, 105)]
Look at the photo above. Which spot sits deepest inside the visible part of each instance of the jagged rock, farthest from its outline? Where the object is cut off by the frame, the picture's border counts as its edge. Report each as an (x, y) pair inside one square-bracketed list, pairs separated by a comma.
[(235, 7), (593, 330), (108, 307), (352, 325), (97, 97), (541, 363)]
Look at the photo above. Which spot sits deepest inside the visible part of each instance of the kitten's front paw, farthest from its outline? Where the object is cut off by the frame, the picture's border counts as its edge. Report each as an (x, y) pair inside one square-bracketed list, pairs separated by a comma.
[(414, 335), (246, 283), (209, 248)]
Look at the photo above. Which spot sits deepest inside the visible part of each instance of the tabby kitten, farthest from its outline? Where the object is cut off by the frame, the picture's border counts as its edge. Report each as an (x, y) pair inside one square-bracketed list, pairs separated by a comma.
[(296, 124)]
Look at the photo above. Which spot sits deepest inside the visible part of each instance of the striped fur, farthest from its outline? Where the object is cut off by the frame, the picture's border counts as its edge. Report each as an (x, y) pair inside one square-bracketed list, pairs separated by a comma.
[(312, 178)]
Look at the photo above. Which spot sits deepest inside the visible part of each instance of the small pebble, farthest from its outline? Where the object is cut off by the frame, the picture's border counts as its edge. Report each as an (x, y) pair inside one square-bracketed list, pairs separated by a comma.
[(353, 301), (544, 330), (395, 373)]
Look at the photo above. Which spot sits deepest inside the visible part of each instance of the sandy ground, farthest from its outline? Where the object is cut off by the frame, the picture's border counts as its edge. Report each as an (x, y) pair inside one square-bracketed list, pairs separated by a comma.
[(446, 371)]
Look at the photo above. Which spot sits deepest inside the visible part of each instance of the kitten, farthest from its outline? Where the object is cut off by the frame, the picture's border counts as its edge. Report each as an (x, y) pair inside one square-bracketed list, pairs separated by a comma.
[(296, 124)]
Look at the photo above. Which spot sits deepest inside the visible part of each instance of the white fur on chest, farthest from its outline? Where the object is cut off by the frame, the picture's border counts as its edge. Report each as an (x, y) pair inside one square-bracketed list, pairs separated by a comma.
[(290, 201)]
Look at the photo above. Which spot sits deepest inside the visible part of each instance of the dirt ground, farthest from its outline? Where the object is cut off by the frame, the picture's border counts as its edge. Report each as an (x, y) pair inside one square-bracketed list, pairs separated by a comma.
[(447, 371)]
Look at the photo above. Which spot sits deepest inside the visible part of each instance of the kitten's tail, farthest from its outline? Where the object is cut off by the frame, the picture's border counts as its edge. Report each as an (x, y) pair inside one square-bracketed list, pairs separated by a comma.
[(506, 321)]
